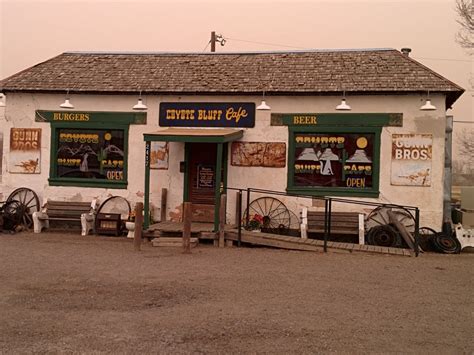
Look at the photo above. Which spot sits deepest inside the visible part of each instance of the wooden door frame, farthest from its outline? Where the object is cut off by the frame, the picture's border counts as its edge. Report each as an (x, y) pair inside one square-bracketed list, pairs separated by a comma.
[(221, 165)]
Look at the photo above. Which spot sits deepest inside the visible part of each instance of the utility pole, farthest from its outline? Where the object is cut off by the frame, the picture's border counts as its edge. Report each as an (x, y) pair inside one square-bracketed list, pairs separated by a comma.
[(216, 38), (213, 41)]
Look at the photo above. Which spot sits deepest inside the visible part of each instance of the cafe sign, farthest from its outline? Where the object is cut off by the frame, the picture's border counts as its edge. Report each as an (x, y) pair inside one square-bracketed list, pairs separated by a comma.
[(207, 114)]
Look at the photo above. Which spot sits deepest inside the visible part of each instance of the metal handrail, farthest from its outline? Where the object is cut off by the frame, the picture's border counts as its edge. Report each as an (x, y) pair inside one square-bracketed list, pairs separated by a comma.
[(327, 210)]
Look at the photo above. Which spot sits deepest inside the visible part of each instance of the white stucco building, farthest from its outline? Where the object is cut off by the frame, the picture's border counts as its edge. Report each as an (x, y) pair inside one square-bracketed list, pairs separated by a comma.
[(383, 149)]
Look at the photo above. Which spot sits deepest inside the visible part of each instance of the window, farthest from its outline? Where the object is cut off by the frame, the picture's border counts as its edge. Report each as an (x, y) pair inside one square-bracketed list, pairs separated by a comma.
[(94, 157), (340, 161)]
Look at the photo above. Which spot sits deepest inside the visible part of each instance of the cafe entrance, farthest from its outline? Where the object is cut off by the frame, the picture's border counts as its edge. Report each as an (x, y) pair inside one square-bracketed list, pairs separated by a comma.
[(201, 179), (204, 166)]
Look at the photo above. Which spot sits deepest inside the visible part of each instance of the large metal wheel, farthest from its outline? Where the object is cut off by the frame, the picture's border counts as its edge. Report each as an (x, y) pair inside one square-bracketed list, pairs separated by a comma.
[(426, 238), (29, 203), (274, 216), (385, 236), (115, 204), (446, 244), (12, 214), (379, 217)]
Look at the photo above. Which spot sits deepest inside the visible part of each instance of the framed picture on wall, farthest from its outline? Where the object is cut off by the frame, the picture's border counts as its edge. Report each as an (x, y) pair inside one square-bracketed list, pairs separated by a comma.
[(159, 155)]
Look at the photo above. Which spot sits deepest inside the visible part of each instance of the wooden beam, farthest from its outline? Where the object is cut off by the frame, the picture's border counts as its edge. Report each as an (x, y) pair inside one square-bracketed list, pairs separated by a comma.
[(137, 238), (187, 215), (222, 219), (401, 228), (164, 196)]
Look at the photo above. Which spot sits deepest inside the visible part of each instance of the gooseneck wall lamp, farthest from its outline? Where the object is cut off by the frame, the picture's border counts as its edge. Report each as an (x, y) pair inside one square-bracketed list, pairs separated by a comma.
[(263, 105), (67, 103), (343, 106), (428, 106), (140, 105)]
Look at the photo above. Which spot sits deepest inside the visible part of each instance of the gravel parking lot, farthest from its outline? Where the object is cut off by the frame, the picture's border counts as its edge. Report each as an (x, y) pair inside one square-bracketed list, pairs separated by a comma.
[(60, 292)]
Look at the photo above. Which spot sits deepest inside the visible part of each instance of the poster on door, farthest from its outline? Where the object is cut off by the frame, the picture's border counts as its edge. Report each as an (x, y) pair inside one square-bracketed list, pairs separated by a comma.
[(206, 176), (411, 159), (25, 151)]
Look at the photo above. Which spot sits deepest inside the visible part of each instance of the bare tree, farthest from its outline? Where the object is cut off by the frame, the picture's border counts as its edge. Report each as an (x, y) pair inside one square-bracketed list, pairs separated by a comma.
[(465, 36), (466, 145)]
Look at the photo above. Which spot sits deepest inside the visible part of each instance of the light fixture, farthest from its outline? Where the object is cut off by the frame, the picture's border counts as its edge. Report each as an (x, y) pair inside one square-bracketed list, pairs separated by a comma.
[(66, 103), (428, 106), (263, 106), (2, 100), (140, 105), (343, 106)]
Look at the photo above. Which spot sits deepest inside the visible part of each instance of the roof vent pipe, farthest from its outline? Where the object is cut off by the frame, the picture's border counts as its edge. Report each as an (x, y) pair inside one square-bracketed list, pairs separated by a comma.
[(406, 51)]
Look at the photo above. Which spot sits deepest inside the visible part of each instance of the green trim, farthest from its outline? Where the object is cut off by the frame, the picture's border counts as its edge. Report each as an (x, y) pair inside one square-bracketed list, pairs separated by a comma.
[(150, 137), (339, 191), (218, 186), (146, 202), (87, 117), (86, 183), (332, 192), (337, 119), (226, 161), (58, 181), (186, 173)]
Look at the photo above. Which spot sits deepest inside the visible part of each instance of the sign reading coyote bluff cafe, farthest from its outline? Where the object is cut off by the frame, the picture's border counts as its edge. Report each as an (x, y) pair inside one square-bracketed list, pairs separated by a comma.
[(207, 114), (25, 150)]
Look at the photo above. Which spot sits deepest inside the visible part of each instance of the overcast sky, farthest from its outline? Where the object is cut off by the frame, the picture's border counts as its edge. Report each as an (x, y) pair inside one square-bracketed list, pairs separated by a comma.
[(35, 30)]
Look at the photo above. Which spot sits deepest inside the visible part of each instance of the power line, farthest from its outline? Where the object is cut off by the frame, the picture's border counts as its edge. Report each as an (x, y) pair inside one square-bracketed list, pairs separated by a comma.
[(470, 122), (445, 59), (265, 43), (207, 45), (297, 47)]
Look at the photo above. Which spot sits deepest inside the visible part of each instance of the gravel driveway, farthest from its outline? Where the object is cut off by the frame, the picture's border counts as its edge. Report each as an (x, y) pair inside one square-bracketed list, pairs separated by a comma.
[(66, 293)]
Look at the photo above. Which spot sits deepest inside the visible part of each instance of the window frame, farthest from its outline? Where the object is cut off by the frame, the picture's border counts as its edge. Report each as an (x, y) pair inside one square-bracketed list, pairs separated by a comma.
[(334, 191), (54, 180)]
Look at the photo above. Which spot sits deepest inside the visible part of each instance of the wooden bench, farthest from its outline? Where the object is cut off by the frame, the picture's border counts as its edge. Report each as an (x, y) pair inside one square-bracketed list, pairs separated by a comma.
[(351, 223), (67, 211)]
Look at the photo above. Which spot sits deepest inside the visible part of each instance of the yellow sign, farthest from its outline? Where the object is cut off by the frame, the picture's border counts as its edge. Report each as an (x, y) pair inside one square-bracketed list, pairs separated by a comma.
[(66, 116)]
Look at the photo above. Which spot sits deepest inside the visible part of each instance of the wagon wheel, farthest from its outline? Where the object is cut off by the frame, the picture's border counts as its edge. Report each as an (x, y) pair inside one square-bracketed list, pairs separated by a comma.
[(426, 238), (115, 204), (29, 203), (12, 214), (379, 217), (295, 222), (275, 215), (384, 236)]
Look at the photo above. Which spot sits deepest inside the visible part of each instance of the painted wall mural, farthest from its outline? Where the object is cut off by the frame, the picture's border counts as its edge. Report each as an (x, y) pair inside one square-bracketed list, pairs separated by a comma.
[(25, 151), (334, 160), (258, 154), (411, 159), (159, 155)]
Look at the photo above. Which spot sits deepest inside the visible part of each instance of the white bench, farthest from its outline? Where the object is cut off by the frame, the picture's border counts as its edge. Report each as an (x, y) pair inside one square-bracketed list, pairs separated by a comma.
[(67, 211)]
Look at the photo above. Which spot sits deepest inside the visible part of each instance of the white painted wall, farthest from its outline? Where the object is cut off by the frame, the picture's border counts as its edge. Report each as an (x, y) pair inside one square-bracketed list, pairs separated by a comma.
[(20, 112)]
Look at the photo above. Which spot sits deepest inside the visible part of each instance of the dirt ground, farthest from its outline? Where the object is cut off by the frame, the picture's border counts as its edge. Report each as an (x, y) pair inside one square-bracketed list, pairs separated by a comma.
[(62, 293)]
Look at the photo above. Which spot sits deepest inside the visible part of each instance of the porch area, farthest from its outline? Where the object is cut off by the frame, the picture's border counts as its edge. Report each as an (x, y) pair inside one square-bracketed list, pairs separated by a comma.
[(204, 231)]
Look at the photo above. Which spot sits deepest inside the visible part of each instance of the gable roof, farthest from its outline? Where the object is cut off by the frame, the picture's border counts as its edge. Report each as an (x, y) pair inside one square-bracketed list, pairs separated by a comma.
[(276, 73)]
